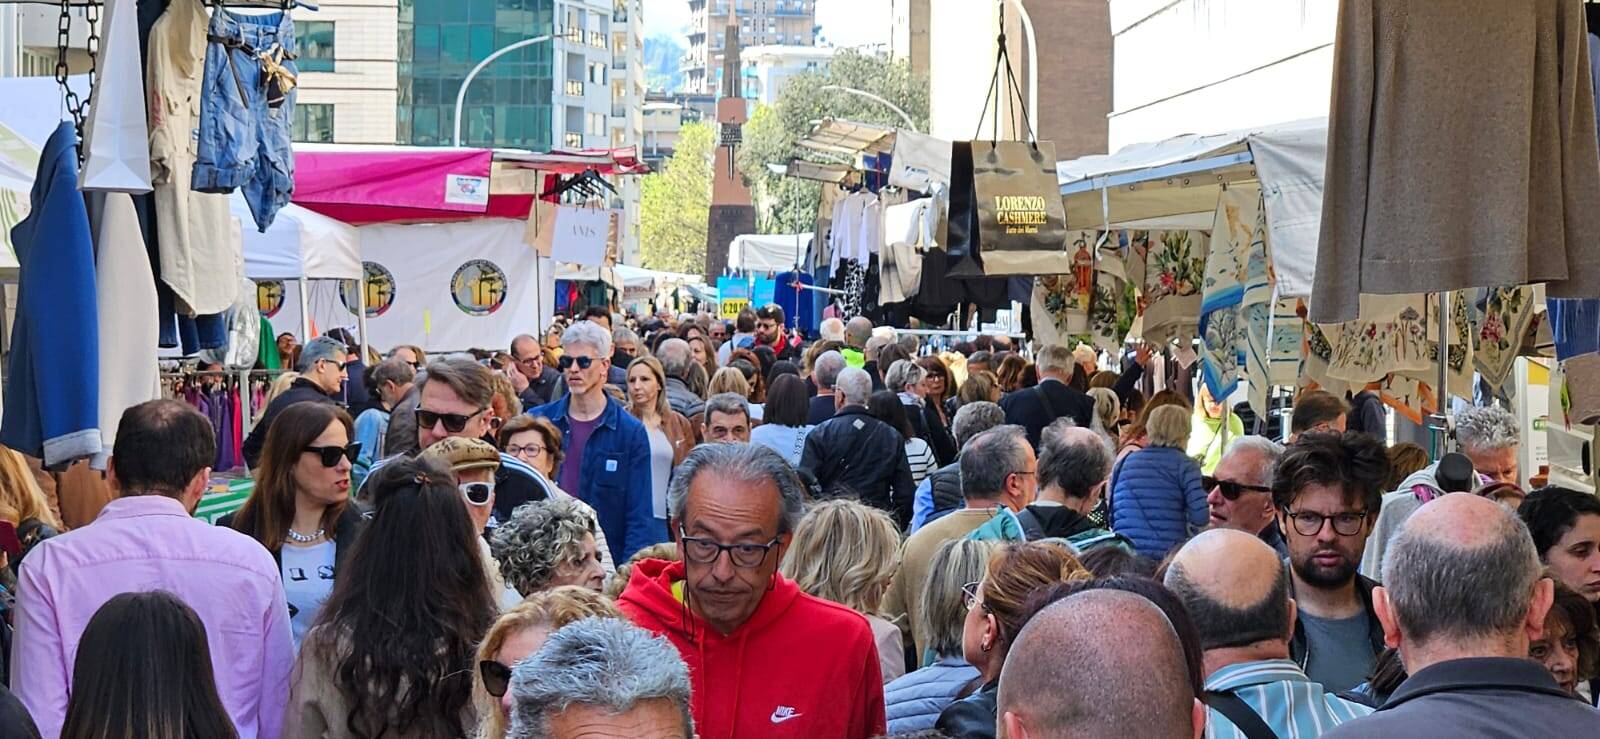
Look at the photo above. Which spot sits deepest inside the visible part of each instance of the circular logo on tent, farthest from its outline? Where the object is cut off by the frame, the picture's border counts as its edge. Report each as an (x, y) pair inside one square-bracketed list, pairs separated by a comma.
[(479, 287), (269, 297), (380, 290)]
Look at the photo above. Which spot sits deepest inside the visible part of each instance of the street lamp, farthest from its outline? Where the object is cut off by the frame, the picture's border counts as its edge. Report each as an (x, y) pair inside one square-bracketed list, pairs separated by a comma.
[(863, 93), (461, 94)]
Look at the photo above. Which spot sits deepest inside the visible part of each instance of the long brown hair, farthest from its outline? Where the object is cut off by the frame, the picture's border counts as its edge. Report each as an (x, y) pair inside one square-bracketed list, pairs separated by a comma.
[(267, 513)]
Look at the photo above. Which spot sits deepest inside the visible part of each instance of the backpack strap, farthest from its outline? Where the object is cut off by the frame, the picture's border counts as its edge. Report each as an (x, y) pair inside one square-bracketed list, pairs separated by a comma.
[(1032, 530), (1233, 708)]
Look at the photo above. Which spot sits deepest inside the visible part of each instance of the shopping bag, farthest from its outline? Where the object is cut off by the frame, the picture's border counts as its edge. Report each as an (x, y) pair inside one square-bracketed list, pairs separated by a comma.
[(116, 139), (1021, 222)]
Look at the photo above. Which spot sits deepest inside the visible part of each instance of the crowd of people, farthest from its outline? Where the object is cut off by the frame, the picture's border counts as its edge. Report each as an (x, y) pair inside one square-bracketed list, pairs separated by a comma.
[(672, 526)]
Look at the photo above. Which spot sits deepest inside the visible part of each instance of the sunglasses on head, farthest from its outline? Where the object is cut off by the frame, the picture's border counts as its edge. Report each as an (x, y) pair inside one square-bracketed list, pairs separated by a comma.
[(453, 422), (1230, 489), (496, 677), (477, 493), (329, 455), (583, 363)]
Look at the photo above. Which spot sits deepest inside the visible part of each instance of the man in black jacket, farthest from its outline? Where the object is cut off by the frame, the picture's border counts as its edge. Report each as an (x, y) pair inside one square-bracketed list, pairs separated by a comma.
[(855, 454), (530, 364), (321, 371), (826, 373), (1036, 407), (1463, 594)]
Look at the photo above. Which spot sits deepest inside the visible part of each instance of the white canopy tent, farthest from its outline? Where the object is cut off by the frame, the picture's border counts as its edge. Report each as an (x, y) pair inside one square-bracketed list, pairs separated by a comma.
[(1176, 183), (764, 253), (302, 245)]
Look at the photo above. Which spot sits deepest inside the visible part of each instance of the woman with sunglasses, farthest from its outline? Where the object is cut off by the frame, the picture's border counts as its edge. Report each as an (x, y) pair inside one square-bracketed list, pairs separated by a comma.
[(996, 608), (516, 636), (392, 652), (300, 508)]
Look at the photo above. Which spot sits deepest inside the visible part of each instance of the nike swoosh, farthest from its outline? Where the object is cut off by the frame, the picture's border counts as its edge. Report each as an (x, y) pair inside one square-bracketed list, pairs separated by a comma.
[(780, 719)]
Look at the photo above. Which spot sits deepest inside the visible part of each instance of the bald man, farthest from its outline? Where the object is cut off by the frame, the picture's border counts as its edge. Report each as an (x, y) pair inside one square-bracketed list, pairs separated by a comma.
[(1463, 595), (1095, 664), (1237, 592)]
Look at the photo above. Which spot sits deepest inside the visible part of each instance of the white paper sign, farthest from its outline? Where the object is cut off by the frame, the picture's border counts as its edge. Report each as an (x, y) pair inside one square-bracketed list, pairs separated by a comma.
[(580, 236)]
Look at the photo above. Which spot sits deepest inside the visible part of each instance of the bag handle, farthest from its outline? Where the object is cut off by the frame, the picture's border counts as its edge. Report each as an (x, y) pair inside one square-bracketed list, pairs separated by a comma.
[(1001, 96)]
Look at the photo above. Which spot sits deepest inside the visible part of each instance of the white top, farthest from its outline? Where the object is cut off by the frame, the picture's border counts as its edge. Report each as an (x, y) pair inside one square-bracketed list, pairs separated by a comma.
[(920, 456), (660, 470), (788, 441), (307, 582)]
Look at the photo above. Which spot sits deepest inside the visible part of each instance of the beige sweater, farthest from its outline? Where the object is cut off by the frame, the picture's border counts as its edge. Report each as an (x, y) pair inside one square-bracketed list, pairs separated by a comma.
[(319, 709), (1461, 152)]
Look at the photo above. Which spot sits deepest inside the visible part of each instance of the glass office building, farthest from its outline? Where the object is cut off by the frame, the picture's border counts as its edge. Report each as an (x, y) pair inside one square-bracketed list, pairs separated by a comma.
[(509, 103)]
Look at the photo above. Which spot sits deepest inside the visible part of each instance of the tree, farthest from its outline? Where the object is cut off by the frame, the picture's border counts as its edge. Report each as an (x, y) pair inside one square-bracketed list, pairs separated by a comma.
[(675, 205), (789, 205)]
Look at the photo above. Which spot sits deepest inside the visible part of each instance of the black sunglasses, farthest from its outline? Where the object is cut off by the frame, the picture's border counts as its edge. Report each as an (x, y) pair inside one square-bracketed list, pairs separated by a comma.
[(567, 361), (496, 677), (453, 422), (330, 454), (1230, 489)]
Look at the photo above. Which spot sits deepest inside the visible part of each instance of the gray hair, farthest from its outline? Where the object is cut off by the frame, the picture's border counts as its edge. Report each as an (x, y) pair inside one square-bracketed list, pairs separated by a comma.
[(854, 384), (607, 663), (857, 330), (676, 357), (727, 403), (588, 333), (752, 464), (975, 418), (875, 345), (396, 371), (1487, 429), (903, 374), (955, 563), (623, 333), (827, 368), (990, 458), (1267, 451), (1074, 460), (1441, 589), (912, 343), (540, 537), (322, 348)]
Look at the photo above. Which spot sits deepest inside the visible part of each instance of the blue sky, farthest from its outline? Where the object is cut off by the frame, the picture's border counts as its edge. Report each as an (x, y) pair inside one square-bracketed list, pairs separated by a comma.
[(845, 22)]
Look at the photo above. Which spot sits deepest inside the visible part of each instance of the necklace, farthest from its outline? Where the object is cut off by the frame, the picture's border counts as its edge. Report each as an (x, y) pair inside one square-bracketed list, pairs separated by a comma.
[(300, 538)]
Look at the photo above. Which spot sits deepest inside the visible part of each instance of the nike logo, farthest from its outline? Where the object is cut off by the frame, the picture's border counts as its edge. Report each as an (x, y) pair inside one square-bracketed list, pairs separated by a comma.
[(784, 713)]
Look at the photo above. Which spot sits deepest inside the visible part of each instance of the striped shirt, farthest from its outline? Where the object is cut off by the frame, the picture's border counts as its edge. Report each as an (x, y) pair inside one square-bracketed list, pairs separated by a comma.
[(1279, 691)]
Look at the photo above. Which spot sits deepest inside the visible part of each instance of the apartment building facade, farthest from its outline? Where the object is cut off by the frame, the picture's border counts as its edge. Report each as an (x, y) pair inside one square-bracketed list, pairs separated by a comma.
[(761, 22)]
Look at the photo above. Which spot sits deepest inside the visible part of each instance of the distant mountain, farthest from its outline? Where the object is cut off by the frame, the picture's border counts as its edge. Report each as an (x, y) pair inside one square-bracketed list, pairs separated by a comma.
[(663, 56)]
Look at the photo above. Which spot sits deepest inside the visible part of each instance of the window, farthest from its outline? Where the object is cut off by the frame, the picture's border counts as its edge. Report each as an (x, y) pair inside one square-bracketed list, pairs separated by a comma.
[(313, 123), (315, 39), (572, 140), (597, 124), (597, 74)]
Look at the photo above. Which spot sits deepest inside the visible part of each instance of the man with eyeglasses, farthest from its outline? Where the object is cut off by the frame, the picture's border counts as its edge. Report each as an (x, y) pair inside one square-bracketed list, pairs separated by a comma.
[(1328, 489), (529, 361), (322, 373), (1239, 492), (766, 659), (607, 451)]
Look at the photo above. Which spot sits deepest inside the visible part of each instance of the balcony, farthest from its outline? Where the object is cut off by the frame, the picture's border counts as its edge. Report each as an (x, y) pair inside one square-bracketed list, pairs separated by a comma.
[(619, 111), (572, 140), (574, 88)]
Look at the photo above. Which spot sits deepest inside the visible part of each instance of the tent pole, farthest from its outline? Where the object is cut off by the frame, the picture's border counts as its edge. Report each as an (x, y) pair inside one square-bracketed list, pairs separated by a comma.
[(1443, 395), (361, 314), (305, 312)]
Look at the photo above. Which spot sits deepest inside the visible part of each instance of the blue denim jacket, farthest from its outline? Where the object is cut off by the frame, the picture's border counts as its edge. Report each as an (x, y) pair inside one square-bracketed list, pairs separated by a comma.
[(614, 477)]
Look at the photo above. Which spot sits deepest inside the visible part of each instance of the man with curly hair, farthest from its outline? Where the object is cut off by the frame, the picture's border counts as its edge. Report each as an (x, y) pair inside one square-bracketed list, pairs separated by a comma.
[(546, 545)]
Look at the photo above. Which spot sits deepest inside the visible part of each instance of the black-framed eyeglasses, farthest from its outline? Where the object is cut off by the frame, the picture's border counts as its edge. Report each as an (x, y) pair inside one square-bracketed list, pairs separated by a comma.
[(705, 551), (1307, 523), (453, 422), (496, 677), (1230, 489), (566, 362), (969, 595), (329, 455)]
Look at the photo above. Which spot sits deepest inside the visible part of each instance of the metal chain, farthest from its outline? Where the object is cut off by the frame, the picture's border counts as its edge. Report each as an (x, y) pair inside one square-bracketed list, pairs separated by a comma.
[(91, 13), (63, 39)]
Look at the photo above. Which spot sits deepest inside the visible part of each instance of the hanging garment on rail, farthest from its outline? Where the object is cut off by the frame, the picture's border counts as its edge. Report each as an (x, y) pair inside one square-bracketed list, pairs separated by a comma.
[(247, 110), (1431, 188), (126, 312)]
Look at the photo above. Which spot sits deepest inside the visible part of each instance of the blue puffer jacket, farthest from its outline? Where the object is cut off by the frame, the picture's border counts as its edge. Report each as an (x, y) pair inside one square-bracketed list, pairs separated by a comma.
[(914, 700), (1156, 497)]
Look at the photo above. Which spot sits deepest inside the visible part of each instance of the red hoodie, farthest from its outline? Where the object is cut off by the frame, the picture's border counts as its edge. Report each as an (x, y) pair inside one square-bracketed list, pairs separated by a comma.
[(800, 667)]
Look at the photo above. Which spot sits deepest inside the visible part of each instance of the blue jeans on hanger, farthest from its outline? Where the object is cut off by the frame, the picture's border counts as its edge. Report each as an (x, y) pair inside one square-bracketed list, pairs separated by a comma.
[(245, 118)]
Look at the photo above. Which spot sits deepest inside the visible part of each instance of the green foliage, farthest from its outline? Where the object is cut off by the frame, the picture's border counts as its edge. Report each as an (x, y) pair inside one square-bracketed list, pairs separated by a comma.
[(675, 205), (787, 205)]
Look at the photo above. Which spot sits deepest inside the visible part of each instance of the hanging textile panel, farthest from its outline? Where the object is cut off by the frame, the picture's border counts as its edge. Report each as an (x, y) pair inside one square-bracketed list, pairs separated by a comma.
[(1169, 269), (1391, 335), (1284, 342), (1111, 311), (1498, 338), (444, 286), (1061, 302), (1236, 297)]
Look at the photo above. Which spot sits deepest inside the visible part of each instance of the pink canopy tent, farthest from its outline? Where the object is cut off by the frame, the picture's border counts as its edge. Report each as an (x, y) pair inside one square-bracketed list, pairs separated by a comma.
[(410, 184)]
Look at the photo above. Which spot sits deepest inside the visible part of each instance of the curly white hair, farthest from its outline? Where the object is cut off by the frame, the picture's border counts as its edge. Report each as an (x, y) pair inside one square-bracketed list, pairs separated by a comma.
[(540, 537)]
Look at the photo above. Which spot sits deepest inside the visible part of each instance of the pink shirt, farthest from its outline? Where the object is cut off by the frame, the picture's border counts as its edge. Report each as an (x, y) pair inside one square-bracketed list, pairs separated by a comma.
[(143, 543)]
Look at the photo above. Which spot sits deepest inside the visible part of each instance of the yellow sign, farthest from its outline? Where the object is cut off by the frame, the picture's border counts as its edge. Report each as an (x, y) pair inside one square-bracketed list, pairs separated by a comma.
[(732, 306)]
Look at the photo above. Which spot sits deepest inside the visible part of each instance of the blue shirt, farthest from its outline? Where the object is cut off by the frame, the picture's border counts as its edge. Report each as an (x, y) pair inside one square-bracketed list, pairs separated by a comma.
[(1288, 701)]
